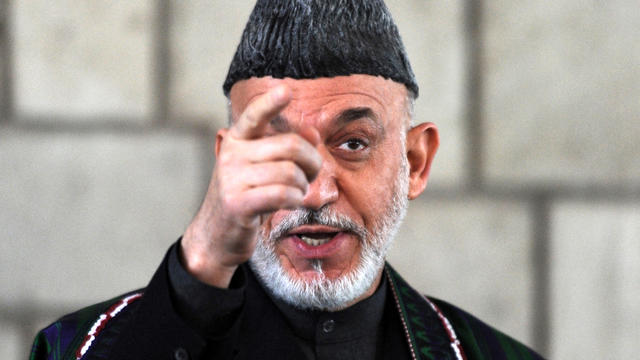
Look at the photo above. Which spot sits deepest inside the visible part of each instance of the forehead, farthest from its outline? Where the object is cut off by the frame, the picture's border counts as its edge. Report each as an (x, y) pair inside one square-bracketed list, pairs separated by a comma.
[(322, 95)]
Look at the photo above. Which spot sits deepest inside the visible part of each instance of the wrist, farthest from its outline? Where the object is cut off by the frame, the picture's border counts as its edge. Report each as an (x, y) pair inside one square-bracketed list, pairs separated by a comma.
[(205, 267)]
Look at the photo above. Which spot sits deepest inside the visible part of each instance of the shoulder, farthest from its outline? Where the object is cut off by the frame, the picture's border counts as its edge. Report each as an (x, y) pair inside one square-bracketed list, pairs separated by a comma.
[(481, 341), (71, 335), (471, 338)]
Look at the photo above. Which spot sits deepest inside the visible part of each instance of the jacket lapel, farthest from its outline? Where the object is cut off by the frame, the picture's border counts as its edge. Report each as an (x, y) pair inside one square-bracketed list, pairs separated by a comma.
[(426, 329)]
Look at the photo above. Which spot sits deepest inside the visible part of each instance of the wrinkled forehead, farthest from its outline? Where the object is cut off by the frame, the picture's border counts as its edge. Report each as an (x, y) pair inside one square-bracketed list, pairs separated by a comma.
[(328, 96)]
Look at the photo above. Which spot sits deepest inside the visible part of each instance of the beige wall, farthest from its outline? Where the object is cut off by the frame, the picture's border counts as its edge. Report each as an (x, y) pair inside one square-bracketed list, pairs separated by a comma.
[(531, 220)]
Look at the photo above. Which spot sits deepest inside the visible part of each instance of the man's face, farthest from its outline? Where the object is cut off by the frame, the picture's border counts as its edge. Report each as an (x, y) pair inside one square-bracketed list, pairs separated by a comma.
[(355, 204)]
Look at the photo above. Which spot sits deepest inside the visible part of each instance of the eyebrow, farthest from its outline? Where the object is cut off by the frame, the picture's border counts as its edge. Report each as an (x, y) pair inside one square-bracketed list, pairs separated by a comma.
[(281, 124), (353, 114)]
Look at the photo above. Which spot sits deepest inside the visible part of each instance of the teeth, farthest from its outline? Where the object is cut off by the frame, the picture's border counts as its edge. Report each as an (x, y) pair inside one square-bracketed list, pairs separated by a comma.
[(314, 242)]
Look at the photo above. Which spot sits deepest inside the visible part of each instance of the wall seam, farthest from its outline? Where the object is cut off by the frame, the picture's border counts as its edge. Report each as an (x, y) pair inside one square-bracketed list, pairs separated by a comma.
[(540, 257), (161, 63), (6, 49), (473, 94)]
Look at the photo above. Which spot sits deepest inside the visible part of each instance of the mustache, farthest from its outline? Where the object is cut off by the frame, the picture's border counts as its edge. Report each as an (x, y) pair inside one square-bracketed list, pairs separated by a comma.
[(324, 216)]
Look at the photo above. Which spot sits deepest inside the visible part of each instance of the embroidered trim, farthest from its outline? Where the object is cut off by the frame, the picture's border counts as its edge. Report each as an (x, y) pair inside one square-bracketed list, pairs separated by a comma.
[(455, 343), (402, 314), (102, 322), (429, 333)]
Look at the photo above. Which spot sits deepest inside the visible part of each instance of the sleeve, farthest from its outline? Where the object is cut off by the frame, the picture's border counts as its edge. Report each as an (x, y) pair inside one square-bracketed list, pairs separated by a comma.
[(180, 317), (40, 350), (208, 309)]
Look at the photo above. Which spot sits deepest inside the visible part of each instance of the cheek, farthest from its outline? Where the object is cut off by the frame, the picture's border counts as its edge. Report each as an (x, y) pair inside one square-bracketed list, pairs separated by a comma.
[(381, 171), (369, 189)]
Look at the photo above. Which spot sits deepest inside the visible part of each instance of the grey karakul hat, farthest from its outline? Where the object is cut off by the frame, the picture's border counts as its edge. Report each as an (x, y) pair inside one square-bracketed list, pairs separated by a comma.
[(307, 39)]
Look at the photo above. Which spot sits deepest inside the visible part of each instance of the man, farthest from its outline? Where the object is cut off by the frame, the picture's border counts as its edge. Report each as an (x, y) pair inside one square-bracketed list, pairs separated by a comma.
[(285, 258)]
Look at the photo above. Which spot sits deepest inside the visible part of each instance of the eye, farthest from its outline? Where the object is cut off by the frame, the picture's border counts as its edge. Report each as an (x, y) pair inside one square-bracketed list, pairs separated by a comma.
[(353, 145)]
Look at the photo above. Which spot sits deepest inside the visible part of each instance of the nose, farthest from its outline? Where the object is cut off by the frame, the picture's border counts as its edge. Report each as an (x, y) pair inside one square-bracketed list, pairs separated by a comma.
[(323, 190)]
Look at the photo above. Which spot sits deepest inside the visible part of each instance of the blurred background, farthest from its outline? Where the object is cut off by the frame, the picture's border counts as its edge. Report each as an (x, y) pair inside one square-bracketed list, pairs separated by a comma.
[(531, 219)]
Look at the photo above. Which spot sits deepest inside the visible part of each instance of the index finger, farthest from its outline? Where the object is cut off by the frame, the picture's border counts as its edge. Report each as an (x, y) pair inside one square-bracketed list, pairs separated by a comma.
[(259, 112)]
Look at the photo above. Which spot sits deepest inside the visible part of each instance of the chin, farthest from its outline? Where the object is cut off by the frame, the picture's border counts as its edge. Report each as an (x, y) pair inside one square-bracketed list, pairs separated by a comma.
[(314, 289)]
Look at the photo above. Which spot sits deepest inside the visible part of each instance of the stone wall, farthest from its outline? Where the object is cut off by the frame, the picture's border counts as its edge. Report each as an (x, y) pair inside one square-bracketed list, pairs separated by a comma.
[(532, 216)]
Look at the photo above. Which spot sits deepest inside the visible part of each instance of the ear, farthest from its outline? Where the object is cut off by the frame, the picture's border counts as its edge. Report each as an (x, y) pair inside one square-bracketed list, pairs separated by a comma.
[(422, 144), (219, 137)]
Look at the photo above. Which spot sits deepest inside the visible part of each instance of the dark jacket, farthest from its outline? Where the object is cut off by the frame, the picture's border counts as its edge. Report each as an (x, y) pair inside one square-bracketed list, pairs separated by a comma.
[(144, 324)]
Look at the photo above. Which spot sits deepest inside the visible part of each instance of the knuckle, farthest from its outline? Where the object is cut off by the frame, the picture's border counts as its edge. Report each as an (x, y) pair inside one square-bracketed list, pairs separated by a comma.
[(225, 158), (249, 121), (300, 179), (294, 144), (282, 194), (295, 196), (229, 199), (290, 171), (318, 161)]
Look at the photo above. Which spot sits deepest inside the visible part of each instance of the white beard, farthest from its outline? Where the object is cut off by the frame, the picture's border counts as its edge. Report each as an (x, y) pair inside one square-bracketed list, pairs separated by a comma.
[(322, 293)]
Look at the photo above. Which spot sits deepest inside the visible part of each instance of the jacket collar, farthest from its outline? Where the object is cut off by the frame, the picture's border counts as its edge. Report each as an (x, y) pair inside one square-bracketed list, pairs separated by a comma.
[(428, 332)]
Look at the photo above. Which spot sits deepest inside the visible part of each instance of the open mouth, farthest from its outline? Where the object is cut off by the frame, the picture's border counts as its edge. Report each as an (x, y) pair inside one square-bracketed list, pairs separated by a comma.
[(316, 239)]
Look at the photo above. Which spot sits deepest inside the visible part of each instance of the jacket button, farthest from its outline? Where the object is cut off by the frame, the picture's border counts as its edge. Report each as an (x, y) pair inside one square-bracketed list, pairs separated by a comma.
[(181, 354), (328, 326)]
